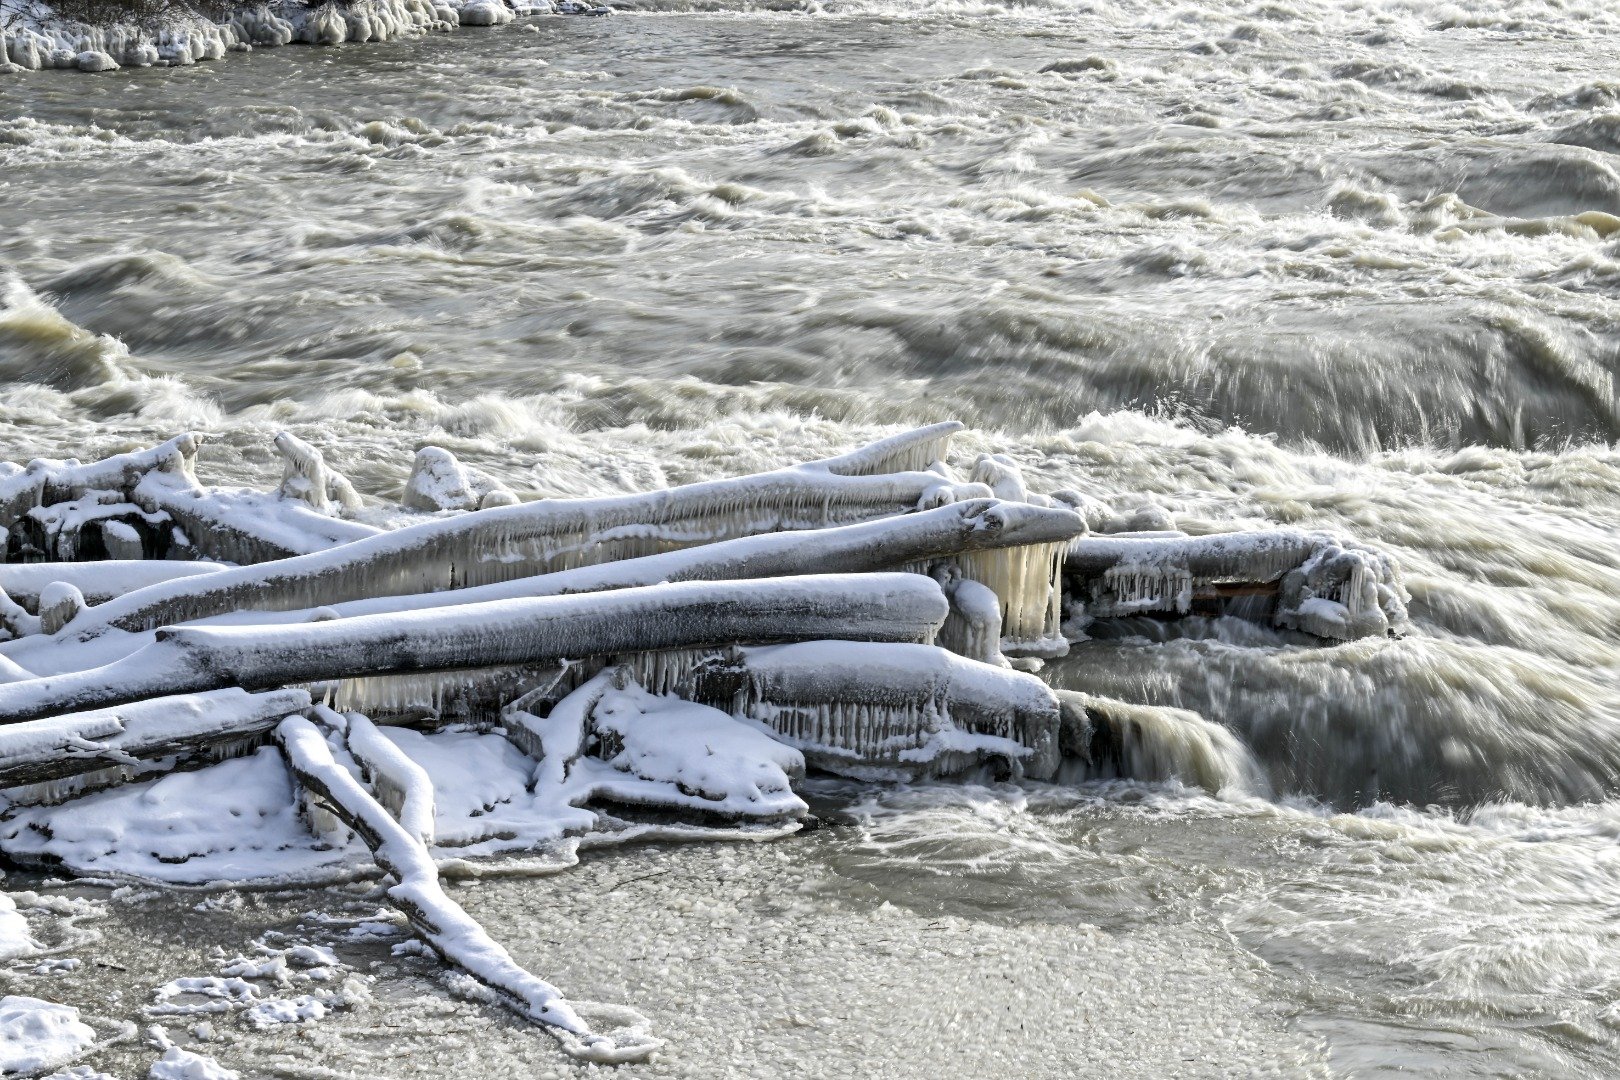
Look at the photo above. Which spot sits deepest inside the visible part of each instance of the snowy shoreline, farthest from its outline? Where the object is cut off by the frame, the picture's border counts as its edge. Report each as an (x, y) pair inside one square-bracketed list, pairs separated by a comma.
[(34, 37)]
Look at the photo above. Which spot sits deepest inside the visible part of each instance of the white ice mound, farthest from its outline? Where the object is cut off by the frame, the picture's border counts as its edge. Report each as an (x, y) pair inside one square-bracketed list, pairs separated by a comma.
[(15, 939), (704, 759), (180, 1064), (36, 1035)]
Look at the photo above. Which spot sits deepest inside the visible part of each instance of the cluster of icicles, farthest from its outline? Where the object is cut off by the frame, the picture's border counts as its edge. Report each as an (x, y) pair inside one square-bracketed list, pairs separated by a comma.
[(44, 40), (688, 653)]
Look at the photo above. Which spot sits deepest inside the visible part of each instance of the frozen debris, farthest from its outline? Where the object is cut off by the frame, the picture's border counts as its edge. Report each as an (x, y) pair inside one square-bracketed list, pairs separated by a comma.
[(611, 739), (507, 542), (438, 920), (48, 760), (1296, 580), (36, 1035), (239, 526), (307, 478), (97, 581), (869, 607), (439, 482), (888, 711), (183, 36)]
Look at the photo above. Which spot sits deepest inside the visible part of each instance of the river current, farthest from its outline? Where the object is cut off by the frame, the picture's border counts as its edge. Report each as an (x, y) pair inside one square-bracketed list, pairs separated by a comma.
[(1338, 265)]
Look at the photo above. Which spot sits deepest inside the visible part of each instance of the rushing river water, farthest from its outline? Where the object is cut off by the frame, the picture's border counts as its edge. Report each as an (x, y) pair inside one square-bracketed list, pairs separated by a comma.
[(1348, 266)]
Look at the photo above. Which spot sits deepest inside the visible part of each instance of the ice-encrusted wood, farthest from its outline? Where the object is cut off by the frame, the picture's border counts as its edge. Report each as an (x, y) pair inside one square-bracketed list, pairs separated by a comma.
[(1313, 582), (888, 710), (96, 749), (862, 607), (441, 923), (508, 542)]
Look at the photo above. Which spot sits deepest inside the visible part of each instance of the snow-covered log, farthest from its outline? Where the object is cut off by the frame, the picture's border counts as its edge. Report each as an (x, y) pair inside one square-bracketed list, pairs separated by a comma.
[(149, 505), (610, 739), (688, 615), (97, 582), (54, 758), (1300, 580), (506, 542), (440, 922), (888, 710)]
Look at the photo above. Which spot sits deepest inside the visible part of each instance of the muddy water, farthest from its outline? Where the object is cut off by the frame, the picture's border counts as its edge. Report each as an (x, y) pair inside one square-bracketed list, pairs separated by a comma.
[(1341, 266)]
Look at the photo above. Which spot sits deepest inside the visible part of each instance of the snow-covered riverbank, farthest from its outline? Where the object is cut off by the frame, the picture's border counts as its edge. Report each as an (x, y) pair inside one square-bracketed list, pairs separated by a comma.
[(34, 37)]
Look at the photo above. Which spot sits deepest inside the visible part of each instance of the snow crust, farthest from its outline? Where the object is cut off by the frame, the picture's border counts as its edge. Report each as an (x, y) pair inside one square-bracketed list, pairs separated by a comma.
[(37, 1035)]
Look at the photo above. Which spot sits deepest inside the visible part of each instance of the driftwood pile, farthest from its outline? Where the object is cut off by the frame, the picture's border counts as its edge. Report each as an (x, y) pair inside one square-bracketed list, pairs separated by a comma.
[(873, 615)]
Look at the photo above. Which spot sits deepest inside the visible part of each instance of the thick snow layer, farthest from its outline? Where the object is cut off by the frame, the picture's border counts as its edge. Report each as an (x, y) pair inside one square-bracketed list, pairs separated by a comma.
[(700, 757), (15, 941), (234, 821), (36, 1035), (179, 1064)]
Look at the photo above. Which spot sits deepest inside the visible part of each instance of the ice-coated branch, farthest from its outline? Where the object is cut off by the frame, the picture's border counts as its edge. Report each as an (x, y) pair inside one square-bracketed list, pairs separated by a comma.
[(59, 747), (440, 922), (307, 477), (888, 709), (43, 482), (506, 542), (1311, 581), (885, 544), (400, 783), (686, 615)]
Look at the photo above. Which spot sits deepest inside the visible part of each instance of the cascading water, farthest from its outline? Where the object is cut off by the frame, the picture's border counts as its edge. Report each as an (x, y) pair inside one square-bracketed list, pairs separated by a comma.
[(1339, 270)]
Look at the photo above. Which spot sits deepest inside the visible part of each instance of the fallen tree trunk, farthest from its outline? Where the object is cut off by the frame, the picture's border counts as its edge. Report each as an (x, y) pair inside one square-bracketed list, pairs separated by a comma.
[(689, 615), (109, 746), (1308, 581), (441, 923), (507, 542)]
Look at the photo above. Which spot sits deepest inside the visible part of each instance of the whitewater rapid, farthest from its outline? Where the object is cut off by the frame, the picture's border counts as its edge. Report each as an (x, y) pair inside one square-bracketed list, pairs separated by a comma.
[(1339, 266)]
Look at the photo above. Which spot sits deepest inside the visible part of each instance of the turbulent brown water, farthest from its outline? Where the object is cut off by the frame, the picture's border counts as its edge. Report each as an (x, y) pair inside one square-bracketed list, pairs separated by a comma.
[(1340, 265)]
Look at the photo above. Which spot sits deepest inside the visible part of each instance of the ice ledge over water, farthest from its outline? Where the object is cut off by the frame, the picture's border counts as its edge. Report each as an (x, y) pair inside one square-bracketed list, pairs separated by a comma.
[(33, 36)]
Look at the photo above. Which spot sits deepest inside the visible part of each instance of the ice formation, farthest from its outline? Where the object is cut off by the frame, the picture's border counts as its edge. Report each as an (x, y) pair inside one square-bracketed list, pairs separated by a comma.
[(1314, 582), (36, 1035), (38, 38), (309, 685)]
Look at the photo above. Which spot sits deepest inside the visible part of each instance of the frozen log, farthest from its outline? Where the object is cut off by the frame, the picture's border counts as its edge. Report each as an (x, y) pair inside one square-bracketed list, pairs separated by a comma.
[(687, 615), (508, 542), (888, 710), (612, 739), (110, 746), (1309, 581), (439, 921), (401, 785), (98, 582), (910, 541)]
